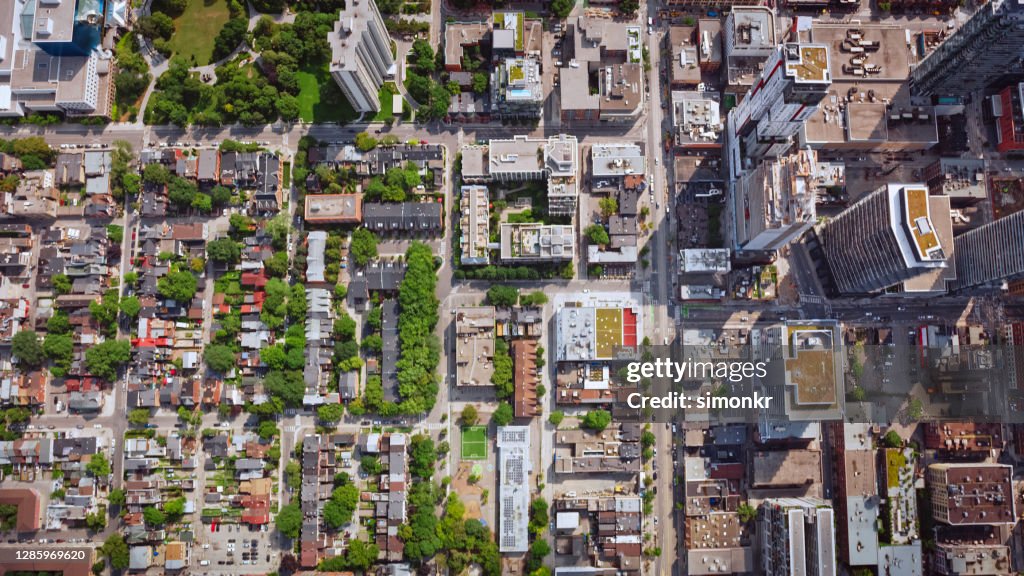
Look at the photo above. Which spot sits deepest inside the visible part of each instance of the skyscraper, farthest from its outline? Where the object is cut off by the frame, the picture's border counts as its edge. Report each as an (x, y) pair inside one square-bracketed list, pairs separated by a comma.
[(992, 253), (986, 47), (775, 202), (897, 235), (794, 80), (361, 54)]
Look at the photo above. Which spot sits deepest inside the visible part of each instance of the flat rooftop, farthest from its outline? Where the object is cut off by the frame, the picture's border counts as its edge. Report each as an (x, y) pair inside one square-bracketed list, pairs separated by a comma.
[(754, 28), (458, 35), (936, 279), (917, 219), (977, 494), (892, 56), (810, 64), (334, 208), (684, 65), (518, 154), (811, 364), (702, 260), (474, 347), (616, 160), (54, 21), (538, 242), (786, 468)]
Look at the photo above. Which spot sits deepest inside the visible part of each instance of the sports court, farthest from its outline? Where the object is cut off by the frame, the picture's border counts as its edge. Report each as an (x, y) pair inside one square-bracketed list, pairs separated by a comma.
[(474, 443)]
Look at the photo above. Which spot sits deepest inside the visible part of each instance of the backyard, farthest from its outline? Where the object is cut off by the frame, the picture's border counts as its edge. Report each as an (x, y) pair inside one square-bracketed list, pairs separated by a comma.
[(320, 99), (196, 28)]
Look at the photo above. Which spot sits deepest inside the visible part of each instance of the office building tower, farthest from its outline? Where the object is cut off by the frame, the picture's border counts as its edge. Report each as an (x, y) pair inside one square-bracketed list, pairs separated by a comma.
[(798, 537), (898, 237), (795, 79), (988, 46), (361, 54), (991, 254), (775, 202)]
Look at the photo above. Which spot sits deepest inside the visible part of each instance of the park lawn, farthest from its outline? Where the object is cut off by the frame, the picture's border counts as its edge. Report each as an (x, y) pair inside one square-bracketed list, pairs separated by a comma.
[(320, 99), (196, 28)]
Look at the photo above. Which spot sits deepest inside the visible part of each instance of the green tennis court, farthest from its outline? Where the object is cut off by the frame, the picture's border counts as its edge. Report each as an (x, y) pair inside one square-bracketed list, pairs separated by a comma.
[(474, 443)]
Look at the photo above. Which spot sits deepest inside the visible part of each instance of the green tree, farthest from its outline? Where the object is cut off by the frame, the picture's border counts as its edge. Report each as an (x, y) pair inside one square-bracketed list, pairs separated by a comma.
[(115, 233), (289, 521), (365, 142), (561, 8), (60, 349), (537, 298), (58, 323), (98, 465), (330, 413), (480, 82), (363, 247), (96, 521), (747, 513), (371, 465), (629, 6), (287, 385), (130, 306), (26, 348), (293, 474), (153, 516), (597, 234), (469, 415), (422, 456), (502, 295), (277, 265), (61, 284), (106, 358), (556, 417), (178, 285), (338, 510), (138, 416), (503, 415), (361, 555), (156, 25), (596, 420), (609, 206), (224, 250), (175, 509), (892, 439), (220, 358), (116, 497), (116, 551)]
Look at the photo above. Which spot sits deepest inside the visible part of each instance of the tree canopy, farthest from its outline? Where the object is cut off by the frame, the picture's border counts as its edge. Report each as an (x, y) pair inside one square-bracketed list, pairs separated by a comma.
[(27, 349)]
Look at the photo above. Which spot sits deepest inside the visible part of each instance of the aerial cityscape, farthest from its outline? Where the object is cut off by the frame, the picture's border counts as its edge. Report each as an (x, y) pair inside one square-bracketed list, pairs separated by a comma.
[(544, 288)]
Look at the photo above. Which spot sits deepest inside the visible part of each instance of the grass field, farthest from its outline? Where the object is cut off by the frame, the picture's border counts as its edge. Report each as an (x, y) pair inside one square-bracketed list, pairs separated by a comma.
[(196, 28), (320, 99), (474, 443)]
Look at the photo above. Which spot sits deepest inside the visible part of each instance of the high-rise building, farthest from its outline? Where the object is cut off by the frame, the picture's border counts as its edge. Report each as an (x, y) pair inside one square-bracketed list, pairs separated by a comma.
[(798, 536), (361, 54), (795, 79), (992, 253), (775, 202), (898, 237), (988, 46)]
